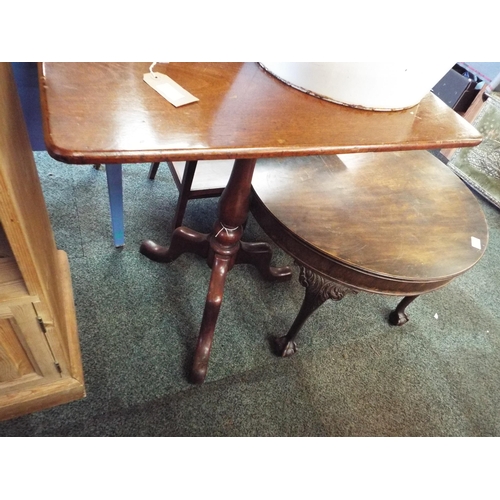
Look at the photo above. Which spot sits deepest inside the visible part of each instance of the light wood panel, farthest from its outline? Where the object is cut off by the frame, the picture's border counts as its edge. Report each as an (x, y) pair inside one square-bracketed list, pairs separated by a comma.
[(40, 363)]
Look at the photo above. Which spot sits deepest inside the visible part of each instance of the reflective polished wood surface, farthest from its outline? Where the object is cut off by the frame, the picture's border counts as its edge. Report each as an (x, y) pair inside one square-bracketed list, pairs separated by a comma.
[(403, 221), (395, 223), (106, 113)]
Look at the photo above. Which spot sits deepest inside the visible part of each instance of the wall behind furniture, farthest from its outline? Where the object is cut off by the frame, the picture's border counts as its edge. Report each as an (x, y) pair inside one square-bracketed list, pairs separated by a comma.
[(26, 76)]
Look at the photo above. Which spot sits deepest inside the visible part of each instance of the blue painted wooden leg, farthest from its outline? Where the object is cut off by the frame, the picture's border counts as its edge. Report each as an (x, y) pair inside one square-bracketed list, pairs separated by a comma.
[(115, 190)]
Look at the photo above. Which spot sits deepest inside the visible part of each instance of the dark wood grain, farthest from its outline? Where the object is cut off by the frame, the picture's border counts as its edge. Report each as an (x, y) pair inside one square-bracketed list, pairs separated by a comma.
[(398, 223), (105, 113)]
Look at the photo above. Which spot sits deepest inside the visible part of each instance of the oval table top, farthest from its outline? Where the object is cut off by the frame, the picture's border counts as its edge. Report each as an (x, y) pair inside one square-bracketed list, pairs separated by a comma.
[(397, 216)]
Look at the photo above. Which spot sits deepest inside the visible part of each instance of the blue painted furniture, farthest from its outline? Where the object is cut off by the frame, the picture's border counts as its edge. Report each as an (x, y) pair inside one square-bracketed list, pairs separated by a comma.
[(26, 77)]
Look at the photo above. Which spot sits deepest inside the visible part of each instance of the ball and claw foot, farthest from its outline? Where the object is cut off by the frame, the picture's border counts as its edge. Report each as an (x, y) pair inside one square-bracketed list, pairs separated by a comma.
[(398, 318), (284, 347)]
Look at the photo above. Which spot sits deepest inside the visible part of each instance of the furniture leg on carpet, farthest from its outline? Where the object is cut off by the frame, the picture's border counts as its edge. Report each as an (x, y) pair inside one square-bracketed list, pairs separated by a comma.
[(224, 247), (399, 317), (318, 291), (115, 191)]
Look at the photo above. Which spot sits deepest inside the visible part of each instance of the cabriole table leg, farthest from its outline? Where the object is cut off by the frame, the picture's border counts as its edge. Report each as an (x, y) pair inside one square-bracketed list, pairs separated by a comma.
[(399, 317), (318, 290)]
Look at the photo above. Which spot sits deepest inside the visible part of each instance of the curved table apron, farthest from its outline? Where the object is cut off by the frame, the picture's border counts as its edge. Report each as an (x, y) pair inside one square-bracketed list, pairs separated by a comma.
[(397, 223)]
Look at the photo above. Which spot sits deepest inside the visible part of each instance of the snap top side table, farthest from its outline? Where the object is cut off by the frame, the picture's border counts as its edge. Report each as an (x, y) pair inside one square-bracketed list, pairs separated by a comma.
[(105, 113)]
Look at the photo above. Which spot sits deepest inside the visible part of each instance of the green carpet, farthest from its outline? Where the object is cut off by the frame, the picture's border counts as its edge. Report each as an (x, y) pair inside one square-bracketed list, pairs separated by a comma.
[(354, 375)]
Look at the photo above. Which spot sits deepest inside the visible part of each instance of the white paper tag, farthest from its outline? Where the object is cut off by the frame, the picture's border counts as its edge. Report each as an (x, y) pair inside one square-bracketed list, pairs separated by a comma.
[(169, 89), (475, 242)]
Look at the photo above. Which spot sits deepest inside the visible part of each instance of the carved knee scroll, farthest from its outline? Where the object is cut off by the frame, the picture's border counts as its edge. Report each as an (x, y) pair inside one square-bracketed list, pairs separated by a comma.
[(322, 288)]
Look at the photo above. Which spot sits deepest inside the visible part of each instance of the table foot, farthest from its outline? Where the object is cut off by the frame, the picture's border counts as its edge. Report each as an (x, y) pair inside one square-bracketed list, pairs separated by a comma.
[(183, 240), (222, 249), (398, 317), (284, 347), (260, 255), (318, 290)]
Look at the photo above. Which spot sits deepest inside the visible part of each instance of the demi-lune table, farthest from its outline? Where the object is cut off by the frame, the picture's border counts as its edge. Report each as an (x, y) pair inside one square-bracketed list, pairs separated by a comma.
[(105, 113)]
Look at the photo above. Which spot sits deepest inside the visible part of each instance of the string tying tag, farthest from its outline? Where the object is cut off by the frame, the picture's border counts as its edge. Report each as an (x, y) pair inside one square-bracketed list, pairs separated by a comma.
[(227, 229), (153, 74)]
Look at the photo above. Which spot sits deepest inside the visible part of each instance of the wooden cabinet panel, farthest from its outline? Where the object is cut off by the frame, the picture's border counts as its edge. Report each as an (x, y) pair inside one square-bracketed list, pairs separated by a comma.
[(40, 362), (15, 363)]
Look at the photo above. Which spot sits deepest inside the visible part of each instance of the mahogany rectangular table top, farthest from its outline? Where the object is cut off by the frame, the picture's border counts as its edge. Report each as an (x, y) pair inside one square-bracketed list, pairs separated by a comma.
[(106, 113)]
